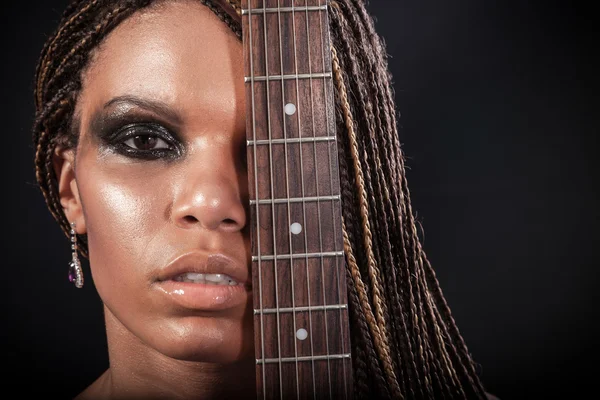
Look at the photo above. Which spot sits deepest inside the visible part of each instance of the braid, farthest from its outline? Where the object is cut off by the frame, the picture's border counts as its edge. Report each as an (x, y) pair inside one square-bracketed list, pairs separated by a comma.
[(361, 313), (75, 57), (226, 18), (405, 341), (71, 23), (365, 317), (388, 258), (381, 329), (426, 350), (360, 331), (236, 6)]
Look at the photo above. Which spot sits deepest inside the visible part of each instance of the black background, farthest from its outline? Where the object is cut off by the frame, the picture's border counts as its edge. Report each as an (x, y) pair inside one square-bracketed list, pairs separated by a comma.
[(499, 126)]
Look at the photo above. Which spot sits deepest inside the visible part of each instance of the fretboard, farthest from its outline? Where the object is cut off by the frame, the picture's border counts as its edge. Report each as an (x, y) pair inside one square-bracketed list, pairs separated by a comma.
[(302, 342)]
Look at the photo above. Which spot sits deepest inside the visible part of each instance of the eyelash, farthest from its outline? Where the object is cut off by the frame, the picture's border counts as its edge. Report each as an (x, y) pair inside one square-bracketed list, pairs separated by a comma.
[(132, 131)]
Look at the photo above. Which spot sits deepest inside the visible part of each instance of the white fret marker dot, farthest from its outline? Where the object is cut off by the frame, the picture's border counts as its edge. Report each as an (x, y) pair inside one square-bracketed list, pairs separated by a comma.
[(296, 228), (290, 109), (301, 334)]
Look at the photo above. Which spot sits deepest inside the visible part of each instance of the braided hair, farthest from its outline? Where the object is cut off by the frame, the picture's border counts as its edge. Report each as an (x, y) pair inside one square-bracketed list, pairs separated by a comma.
[(405, 341)]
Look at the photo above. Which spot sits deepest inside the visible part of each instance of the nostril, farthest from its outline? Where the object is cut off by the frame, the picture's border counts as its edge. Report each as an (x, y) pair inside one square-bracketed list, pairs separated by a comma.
[(230, 225), (190, 219)]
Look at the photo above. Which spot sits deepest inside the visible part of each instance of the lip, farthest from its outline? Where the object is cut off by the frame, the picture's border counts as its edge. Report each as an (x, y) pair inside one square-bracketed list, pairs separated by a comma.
[(199, 296), (215, 263)]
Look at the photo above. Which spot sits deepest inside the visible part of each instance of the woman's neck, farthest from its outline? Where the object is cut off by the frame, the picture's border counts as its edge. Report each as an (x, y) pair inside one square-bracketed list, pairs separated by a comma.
[(138, 371)]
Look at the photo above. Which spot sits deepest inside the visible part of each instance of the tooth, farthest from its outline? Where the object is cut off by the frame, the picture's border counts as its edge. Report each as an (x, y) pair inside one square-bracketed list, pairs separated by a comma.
[(210, 279), (216, 278), (220, 279), (193, 276)]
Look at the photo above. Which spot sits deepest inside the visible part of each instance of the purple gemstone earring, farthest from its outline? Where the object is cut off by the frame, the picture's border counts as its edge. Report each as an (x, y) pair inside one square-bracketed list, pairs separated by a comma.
[(75, 271)]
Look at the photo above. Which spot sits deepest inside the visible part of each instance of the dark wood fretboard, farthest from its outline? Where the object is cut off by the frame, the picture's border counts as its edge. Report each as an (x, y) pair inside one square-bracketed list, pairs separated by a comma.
[(300, 306)]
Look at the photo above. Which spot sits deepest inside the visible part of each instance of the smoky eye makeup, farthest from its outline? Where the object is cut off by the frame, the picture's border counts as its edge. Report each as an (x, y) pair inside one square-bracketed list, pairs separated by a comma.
[(136, 134)]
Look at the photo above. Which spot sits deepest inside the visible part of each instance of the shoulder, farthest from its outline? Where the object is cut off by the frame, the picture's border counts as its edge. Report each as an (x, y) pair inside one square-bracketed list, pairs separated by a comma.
[(491, 396)]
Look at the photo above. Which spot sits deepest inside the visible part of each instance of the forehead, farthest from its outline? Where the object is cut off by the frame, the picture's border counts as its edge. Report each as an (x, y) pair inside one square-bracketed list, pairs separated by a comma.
[(175, 52)]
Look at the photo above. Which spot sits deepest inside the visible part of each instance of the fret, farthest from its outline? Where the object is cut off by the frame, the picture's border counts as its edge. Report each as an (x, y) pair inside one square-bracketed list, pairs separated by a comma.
[(250, 11), (292, 140), (295, 200), (305, 358), (262, 78), (298, 255), (258, 311)]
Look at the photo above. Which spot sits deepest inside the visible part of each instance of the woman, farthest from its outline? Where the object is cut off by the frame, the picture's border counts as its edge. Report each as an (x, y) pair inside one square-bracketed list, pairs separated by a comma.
[(141, 141)]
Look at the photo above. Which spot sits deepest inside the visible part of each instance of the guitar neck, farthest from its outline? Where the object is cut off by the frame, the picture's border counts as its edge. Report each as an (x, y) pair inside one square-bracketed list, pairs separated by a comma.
[(302, 342)]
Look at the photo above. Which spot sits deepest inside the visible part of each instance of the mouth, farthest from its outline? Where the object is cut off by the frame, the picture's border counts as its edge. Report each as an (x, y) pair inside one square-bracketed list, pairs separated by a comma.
[(207, 279), (203, 281), (210, 269)]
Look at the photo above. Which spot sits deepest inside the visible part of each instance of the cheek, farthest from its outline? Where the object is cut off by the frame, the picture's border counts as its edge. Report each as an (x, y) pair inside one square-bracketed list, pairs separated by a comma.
[(123, 209)]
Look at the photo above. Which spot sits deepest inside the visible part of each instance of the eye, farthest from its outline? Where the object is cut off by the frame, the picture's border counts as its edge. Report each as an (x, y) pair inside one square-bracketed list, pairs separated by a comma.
[(146, 143), (146, 140)]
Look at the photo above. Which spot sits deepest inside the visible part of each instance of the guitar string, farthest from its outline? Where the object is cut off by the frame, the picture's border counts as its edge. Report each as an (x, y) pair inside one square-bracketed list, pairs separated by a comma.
[(303, 203), (287, 183), (250, 50), (312, 109), (272, 205), (335, 223)]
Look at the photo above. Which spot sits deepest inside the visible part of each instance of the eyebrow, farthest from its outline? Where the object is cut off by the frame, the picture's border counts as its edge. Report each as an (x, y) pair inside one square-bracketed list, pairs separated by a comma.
[(104, 121), (154, 106)]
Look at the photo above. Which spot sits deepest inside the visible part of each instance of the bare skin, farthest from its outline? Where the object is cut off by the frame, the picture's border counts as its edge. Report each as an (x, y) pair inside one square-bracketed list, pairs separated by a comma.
[(159, 172)]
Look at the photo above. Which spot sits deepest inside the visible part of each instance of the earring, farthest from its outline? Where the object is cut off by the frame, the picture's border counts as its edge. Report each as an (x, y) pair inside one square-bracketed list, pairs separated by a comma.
[(75, 271)]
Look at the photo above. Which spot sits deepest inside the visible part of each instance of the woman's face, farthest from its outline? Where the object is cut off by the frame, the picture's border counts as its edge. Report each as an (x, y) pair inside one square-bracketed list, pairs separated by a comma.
[(160, 178)]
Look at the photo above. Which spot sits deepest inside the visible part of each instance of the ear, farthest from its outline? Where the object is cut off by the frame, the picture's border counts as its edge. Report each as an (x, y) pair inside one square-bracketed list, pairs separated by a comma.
[(63, 162)]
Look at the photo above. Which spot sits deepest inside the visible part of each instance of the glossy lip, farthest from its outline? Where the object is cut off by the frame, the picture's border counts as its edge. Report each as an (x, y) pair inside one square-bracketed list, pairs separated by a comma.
[(203, 263), (200, 296)]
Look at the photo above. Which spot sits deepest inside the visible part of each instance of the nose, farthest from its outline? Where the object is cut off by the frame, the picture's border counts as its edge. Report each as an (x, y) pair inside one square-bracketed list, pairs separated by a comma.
[(211, 196)]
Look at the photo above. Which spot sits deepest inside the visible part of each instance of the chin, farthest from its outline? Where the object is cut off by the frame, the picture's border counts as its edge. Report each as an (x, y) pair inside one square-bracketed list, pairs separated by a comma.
[(208, 340)]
